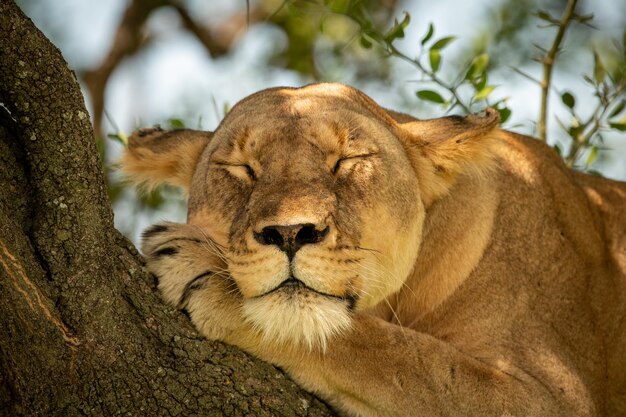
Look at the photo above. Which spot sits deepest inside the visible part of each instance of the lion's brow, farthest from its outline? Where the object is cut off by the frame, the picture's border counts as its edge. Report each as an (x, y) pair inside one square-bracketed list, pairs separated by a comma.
[(241, 138)]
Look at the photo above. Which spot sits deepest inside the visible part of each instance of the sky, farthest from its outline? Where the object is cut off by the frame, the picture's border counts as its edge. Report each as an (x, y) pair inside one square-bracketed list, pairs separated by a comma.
[(175, 77)]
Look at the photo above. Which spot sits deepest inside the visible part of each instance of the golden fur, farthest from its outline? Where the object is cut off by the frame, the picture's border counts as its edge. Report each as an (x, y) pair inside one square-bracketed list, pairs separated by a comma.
[(393, 266)]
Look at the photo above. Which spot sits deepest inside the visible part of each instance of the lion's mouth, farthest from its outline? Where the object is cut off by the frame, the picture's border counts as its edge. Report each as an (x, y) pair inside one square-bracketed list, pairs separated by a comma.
[(293, 282), (293, 285)]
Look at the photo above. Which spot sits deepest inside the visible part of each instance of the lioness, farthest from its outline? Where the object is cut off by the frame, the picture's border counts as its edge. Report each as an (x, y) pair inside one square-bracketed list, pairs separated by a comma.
[(394, 266)]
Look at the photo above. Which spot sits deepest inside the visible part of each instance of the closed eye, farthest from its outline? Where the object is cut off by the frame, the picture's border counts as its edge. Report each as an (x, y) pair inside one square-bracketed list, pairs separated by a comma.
[(243, 171), (344, 161), (250, 172)]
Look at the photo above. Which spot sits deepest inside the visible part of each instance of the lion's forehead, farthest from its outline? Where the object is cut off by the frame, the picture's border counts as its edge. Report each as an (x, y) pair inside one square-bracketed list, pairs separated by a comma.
[(308, 99), (314, 138)]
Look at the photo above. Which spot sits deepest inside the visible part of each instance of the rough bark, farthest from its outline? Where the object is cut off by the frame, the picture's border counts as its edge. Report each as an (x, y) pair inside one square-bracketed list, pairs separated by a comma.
[(82, 331)]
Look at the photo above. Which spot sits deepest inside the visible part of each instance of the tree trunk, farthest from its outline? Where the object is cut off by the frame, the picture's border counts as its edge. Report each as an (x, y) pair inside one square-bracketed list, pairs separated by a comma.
[(82, 330)]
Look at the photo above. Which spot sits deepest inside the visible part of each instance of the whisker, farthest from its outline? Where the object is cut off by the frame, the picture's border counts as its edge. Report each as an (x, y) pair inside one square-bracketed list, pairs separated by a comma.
[(232, 291), (375, 282), (218, 270), (368, 249), (214, 247), (404, 284), (395, 315)]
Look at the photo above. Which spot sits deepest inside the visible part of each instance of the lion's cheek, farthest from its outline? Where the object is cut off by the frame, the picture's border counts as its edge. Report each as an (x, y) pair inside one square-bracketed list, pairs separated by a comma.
[(258, 272), (394, 246), (334, 273), (212, 223)]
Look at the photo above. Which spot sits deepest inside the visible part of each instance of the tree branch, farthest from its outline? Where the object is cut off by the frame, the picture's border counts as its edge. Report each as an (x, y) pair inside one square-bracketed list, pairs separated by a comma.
[(214, 47), (129, 38), (548, 65), (82, 330)]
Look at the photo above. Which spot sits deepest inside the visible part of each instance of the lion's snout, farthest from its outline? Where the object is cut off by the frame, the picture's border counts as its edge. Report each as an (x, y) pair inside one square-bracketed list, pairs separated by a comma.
[(290, 239)]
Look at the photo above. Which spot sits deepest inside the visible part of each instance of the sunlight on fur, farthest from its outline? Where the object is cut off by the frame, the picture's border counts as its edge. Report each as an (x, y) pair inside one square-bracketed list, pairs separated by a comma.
[(395, 266), (302, 318)]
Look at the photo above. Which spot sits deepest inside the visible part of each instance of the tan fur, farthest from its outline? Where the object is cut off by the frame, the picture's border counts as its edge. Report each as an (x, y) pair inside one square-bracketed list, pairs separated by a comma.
[(164, 161), (463, 270)]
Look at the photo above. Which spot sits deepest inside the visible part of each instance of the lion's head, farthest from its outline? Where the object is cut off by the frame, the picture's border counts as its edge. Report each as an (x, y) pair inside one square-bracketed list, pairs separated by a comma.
[(317, 197)]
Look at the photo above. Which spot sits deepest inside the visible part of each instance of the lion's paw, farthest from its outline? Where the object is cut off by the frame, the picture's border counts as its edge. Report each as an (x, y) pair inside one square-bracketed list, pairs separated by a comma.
[(191, 275), (181, 258)]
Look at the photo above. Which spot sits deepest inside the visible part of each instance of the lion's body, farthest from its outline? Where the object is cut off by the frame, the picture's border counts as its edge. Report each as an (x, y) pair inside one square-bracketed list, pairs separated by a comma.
[(442, 267), (546, 300)]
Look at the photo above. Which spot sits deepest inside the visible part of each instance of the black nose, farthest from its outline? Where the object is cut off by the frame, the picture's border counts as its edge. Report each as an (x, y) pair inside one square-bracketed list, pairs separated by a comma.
[(290, 238)]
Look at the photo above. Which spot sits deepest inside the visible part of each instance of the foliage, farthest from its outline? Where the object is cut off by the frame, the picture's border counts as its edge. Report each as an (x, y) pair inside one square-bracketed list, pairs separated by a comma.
[(320, 37), (469, 89), (465, 86)]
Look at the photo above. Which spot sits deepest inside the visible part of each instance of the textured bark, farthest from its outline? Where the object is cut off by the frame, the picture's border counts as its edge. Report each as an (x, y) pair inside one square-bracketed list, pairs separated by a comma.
[(82, 331)]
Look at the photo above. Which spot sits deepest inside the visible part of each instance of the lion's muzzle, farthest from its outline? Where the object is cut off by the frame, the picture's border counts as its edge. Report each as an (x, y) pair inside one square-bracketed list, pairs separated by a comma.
[(290, 239)]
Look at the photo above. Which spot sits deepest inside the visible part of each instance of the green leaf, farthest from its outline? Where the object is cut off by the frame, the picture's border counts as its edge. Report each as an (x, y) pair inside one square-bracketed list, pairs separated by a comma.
[(374, 36), (480, 82), (153, 199), (435, 59), (478, 66), (120, 137), (397, 31), (505, 113), (558, 150), (568, 99), (430, 95), (365, 43), (618, 109), (592, 156), (543, 15), (618, 126), (443, 42), (484, 92), (575, 130), (429, 34), (599, 72), (339, 6), (176, 123)]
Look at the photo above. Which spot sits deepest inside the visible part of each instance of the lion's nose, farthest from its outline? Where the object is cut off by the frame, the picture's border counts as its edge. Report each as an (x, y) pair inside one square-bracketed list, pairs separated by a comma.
[(290, 238)]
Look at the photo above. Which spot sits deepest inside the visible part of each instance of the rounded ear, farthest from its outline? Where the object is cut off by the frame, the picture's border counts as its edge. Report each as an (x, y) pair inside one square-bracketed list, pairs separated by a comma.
[(155, 156), (442, 149)]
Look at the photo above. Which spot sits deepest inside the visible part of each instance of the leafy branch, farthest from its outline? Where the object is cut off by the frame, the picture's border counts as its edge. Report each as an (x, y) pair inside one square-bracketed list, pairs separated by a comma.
[(472, 77), (548, 62), (468, 90), (585, 133), (611, 102)]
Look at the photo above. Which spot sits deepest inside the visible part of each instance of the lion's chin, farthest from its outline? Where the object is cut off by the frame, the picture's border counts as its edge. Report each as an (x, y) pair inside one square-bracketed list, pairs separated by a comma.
[(298, 317)]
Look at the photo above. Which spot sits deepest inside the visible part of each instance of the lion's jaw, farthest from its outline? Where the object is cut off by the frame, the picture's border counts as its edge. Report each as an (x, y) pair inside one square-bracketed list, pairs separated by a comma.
[(309, 300), (370, 206), (297, 317)]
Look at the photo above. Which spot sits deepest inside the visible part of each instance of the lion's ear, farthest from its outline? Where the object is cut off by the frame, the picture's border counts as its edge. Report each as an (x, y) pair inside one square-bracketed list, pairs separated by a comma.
[(442, 149), (155, 156)]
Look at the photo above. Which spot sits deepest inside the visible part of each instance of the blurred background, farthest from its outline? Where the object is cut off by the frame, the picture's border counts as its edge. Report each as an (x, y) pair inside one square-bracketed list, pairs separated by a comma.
[(185, 63)]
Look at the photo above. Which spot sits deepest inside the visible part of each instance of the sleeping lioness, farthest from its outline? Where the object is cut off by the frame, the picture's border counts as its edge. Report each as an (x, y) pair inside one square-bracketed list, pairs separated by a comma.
[(394, 266)]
